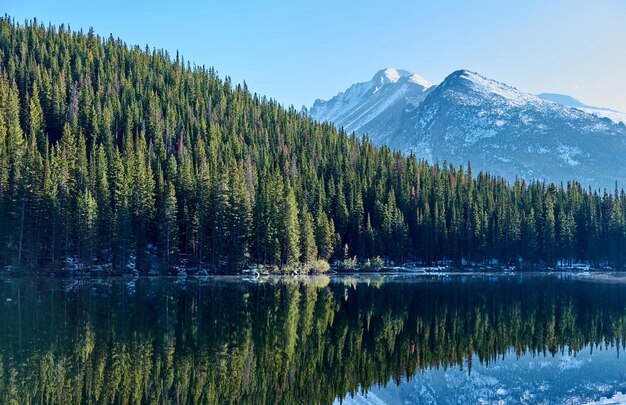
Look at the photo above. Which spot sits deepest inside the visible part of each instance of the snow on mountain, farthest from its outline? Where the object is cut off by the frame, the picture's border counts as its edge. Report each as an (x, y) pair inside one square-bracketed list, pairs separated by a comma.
[(375, 107), (495, 127), (513, 134), (613, 115)]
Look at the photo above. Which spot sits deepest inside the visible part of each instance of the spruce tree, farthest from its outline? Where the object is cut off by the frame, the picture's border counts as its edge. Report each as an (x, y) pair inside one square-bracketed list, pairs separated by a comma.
[(239, 218), (289, 230), (549, 236), (87, 209), (169, 225), (307, 236), (324, 236)]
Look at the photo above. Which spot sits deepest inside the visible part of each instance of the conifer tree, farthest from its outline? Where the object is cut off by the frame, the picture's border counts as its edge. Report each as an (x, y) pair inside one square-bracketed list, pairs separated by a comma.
[(370, 238), (36, 117), (616, 235), (122, 214), (87, 210), (549, 237), (307, 236), (169, 225), (290, 230), (239, 218), (529, 236), (324, 236), (102, 195)]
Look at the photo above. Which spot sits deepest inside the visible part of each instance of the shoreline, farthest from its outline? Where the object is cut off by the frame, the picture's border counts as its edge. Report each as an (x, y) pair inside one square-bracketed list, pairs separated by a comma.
[(411, 272)]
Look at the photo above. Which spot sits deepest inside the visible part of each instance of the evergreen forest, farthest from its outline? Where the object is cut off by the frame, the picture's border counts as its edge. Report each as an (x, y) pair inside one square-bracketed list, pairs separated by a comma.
[(130, 158)]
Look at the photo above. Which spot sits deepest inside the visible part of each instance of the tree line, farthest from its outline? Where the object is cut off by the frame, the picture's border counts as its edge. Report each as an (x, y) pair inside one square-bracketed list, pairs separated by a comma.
[(132, 158)]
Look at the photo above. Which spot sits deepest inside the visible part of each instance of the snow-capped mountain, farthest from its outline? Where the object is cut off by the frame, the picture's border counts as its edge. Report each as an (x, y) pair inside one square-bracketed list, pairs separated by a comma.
[(495, 127), (375, 107), (511, 133), (616, 116)]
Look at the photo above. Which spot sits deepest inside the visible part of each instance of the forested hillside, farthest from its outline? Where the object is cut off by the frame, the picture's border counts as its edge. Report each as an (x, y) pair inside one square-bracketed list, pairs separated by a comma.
[(133, 157)]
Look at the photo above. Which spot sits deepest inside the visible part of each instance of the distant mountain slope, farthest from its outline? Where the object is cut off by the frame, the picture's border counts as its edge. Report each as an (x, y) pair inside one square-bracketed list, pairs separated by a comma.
[(563, 99), (375, 107), (501, 129), (616, 116), (492, 125)]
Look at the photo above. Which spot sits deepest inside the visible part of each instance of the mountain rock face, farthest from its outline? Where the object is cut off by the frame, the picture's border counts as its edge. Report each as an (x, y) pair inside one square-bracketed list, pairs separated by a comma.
[(497, 128), (375, 107)]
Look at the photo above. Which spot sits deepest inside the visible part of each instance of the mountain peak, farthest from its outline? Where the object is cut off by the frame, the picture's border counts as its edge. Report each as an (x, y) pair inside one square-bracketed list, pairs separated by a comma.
[(393, 75), (381, 102), (467, 76), (390, 75), (468, 84)]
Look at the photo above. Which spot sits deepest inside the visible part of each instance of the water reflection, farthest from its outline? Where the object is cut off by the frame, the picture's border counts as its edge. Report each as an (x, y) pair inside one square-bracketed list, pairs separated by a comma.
[(231, 340)]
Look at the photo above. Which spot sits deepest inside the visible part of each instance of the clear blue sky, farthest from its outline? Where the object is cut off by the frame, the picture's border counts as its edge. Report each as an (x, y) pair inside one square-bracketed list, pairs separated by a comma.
[(297, 51)]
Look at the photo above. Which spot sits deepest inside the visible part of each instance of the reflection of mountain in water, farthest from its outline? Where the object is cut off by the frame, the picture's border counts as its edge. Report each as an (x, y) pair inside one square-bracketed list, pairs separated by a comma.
[(566, 378), (226, 341)]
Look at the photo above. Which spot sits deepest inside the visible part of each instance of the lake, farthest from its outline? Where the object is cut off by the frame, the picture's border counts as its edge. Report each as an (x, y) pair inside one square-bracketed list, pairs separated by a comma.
[(439, 338)]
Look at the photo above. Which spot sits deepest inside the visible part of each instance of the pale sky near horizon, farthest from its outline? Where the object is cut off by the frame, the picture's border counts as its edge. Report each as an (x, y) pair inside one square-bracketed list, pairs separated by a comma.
[(297, 51)]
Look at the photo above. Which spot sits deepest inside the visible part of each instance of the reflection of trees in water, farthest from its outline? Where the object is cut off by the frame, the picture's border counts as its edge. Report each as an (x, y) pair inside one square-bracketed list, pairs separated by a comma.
[(282, 341)]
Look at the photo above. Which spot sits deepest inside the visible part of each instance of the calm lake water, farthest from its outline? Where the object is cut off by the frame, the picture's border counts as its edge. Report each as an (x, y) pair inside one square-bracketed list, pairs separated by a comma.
[(359, 339)]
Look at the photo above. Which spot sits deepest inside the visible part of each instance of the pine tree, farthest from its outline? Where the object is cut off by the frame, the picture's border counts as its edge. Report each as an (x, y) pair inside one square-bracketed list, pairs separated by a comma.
[(87, 210), (388, 222), (307, 236), (15, 150), (399, 237), (63, 166), (203, 191), (122, 214), (31, 196), (549, 237), (102, 195), (340, 210), (357, 215), (36, 118), (142, 185), (49, 211), (169, 225), (528, 236), (324, 236), (567, 229), (267, 246), (594, 232), (290, 230), (239, 218), (370, 238), (616, 236)]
